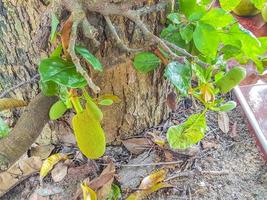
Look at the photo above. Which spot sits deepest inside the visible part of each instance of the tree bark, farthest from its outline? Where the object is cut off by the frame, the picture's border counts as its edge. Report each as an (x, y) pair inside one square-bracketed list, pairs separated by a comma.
[(143, 95)]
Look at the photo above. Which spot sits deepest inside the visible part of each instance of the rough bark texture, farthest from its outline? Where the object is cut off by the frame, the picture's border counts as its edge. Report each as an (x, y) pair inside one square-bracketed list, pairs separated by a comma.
[(143, 96)]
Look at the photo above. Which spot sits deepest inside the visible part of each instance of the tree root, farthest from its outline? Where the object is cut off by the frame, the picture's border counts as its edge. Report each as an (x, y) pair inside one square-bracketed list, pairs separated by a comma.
[(26, 131)]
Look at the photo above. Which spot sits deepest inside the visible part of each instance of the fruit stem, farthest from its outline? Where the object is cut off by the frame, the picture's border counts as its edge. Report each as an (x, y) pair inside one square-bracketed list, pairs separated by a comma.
[(76, 104)]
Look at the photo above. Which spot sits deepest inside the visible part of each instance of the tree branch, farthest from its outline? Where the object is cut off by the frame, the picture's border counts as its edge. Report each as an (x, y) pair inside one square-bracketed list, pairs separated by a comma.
[(26, 131)]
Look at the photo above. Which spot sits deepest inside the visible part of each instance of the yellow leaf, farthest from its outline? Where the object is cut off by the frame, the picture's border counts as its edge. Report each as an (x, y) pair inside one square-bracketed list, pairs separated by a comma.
[(88, 193), (49, 163), (207, 93), (141, 194), (8, 103), (153, 179), (89, 134)]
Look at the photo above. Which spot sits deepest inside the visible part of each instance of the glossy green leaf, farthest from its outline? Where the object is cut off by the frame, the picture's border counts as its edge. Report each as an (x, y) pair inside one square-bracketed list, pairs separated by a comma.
[(217, 18), (57, 110), (49, 88), (206, 40), (145, 62), (187, 32), (200, 73), (61, 72), (54, 24), (188, 133), (180, 76), (90, 58), (89, 135), (231, 79), (4, 129), (229, 5)]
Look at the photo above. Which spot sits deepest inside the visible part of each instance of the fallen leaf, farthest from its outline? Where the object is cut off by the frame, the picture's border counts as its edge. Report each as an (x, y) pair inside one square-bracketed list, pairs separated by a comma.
[(106, 175), (157, 139), (49, 163), (18, 172), (233, 133), (42, 151), (152, 179), (223, 122), (209, 145), (137, 145), (8, 103), (105, 178), (104, 191), (141, 194), (88, 193), (59, 172), (171, 101)]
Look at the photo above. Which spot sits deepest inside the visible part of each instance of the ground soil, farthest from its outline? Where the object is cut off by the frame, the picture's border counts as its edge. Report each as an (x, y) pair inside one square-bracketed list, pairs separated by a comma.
[(234, 152)]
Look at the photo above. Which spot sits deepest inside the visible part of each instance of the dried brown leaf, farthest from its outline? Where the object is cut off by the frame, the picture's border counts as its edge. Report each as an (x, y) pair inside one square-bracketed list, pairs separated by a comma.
[(59, 172), (171, 101), (65, 34), (22, 169), (137, 145), (223, 122), (9, 103), (42, 151)]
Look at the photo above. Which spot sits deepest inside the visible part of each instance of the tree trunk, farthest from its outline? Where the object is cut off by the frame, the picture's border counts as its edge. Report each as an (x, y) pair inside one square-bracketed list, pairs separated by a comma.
[(143, 95)]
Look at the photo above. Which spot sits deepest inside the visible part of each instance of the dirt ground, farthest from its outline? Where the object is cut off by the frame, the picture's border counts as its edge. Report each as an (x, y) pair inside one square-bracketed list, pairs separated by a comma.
[(223, 166)]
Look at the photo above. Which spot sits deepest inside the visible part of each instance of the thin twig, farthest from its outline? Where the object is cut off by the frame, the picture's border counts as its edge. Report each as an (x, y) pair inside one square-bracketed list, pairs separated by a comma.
[(149, 164), (32, 80), (77, 18), (117, 38), (193, 173)]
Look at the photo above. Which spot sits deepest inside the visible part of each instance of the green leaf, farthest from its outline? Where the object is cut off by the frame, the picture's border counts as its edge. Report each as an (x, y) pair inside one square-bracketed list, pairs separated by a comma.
[(172, 34), (4, 129), (206, 39), (231, 79), (89, 135), (145, 62), (54, 24), (57, 110), (188, 133), (174, 18), (230, 105), (61, 72), (187, 6), (90, 58), (180, 76), (187, 32), (115, 193), (229, 5), (57, 52), (217, 18), (106, 102), (49, 88), (200, 73)]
